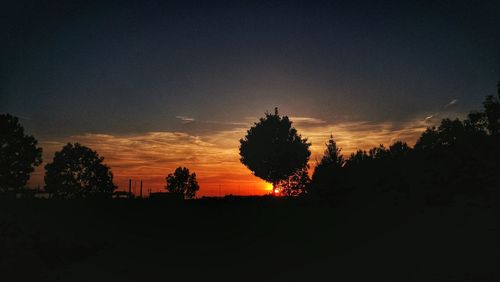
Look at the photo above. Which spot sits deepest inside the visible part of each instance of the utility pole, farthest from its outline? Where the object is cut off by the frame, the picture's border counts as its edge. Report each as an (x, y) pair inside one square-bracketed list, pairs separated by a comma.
[(130, 188), (141, 190)]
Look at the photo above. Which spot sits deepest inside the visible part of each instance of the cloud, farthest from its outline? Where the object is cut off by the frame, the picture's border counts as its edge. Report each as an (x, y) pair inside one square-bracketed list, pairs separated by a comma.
[(22, 117), (185, 119), (355, 135), (434, 118), (429, 117), (214, 155), (151, 156), (451, 103), (306, 120), (225, 122)]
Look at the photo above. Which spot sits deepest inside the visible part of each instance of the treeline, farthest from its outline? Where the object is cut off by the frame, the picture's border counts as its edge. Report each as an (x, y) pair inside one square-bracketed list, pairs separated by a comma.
[(76, 171), (456, 157)]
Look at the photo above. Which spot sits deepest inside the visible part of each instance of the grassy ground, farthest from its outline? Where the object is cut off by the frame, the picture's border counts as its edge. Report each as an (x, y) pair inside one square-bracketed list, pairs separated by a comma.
[(252, 240)]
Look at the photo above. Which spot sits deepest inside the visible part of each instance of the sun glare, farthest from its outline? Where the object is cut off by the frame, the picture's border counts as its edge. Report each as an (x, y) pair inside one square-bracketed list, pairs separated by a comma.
[(269, 186)]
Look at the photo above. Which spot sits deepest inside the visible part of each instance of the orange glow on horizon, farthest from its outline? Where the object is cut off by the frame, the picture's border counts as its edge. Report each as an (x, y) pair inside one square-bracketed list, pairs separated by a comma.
[(214, 157)]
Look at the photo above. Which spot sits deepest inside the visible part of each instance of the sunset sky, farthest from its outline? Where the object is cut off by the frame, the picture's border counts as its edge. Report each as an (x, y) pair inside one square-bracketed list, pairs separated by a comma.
[(153, 86)]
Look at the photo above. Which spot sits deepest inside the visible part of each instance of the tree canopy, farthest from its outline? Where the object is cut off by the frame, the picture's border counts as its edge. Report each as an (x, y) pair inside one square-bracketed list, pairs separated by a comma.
[(455, 157), (19, 154), (182, 182), (327, 173), (297, 184), (78, 172), (273, 150)]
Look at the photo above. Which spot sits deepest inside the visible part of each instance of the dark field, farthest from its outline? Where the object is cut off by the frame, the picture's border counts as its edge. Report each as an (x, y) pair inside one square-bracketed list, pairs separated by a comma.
[(248, 239)]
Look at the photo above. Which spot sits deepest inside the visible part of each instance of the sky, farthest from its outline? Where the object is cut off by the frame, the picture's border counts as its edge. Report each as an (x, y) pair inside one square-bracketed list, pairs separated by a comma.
[(153, 85)]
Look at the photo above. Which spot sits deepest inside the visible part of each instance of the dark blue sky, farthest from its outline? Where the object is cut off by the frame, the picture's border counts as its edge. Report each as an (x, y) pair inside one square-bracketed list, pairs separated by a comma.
[(71, 67)]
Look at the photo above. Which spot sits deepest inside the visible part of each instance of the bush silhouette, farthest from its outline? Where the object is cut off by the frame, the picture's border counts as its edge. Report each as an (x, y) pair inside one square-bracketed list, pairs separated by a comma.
[(273, 150), (78, 172), (19, 154)]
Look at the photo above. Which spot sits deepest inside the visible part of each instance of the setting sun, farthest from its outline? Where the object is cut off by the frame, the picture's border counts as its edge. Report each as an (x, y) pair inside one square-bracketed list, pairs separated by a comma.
[(268, 187), (249, 140)]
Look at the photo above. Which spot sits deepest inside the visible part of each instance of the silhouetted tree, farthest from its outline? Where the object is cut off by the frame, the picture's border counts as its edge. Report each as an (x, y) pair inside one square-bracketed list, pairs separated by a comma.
[(297, 184), (399, 150), (19, 154), (332, 156), (455, 157), (398, 168), (78, 172), (378, 153), (489, 120), (273, 150), (449, 134), (492, 113), (182, 182), (357, 159), (328, 173)]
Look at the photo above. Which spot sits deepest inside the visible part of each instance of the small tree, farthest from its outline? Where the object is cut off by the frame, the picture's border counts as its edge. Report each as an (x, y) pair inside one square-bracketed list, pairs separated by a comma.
[(489, 119), (327, 173), (492, 112), (378, 153), (358, 159), (399, 150), (332, 156), (19, 154), (182, 182), (78, 172), (273, 150)]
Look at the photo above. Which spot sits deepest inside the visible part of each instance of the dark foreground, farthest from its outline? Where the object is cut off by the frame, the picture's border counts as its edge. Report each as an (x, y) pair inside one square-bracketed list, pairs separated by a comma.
[(252, 240)]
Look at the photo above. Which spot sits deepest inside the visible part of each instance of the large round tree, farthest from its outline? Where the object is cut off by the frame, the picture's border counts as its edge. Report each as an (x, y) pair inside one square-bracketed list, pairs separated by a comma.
[(273, 150), (78, 172), (19, 154)]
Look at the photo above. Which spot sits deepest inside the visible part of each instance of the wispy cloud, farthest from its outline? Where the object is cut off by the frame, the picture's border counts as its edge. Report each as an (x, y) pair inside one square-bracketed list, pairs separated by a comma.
[(355, 135), (225, 122), (307, 120), (151, 156), (427, 118), (451, 103), (185, 119), (214, 155), (445, 111)]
